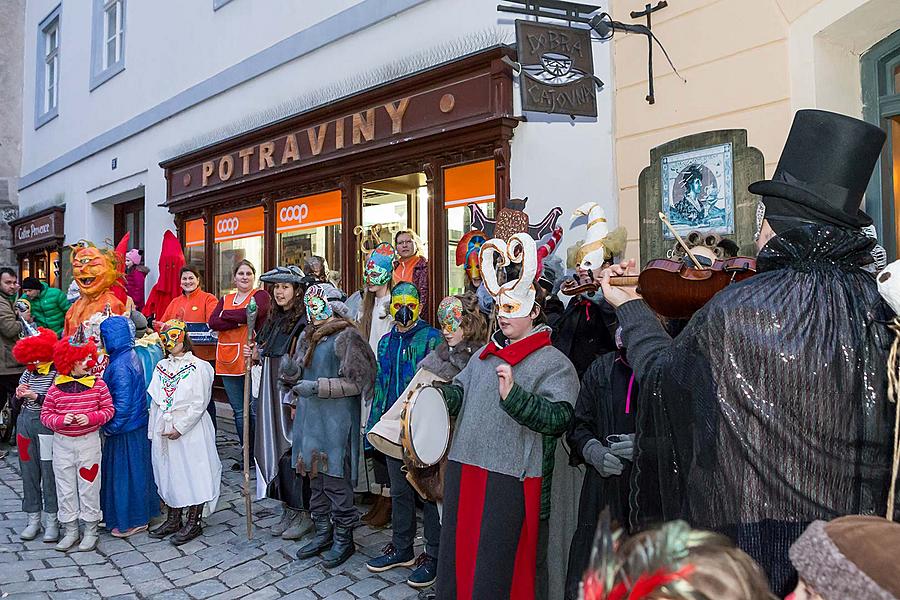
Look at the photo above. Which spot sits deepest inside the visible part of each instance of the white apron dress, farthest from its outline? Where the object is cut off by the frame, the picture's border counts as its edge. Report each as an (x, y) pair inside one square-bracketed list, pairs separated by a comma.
[(187, 470)]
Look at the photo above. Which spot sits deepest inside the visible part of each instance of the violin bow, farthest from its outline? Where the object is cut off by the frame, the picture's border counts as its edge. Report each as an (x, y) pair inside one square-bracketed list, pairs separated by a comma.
[(665, 220)]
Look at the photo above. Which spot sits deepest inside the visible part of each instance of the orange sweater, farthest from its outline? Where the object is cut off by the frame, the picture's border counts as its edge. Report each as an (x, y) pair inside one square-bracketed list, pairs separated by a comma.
[(195, 307)]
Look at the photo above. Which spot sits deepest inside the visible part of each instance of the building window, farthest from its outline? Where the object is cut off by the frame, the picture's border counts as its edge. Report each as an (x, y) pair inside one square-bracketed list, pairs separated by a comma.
[(237, 236), (128, 218), (309, 226), (46, 89), (472, 183), (195, 246), (108, 44)]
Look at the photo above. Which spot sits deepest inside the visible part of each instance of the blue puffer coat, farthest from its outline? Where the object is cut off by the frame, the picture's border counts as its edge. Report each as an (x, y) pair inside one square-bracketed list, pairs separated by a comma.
[(124, 377)]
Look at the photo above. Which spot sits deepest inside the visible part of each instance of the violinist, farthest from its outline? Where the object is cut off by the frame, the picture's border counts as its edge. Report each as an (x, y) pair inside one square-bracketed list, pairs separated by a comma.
[(770, 392)]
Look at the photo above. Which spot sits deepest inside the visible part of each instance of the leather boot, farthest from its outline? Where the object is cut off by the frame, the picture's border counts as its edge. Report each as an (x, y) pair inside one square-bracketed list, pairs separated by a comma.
[(33, 528), (288, 515), (382, 516), (343, 548), (192, 526), (169, 526), (70, 536), (300, 526), (90, 538), (51, 528), (373, 508), (323, 539)]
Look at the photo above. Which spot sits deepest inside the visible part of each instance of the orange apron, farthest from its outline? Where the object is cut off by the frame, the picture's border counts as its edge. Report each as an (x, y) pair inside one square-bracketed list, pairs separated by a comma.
[(230, 349)]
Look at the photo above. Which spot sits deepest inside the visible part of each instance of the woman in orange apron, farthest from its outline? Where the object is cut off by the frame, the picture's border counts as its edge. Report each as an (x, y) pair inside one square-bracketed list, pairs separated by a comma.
[(229, 318)]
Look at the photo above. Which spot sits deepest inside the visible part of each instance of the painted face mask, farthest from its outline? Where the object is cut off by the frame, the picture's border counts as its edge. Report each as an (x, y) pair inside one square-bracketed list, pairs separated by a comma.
[(449, 314), (405, 303), (316, 301), (379, 267), (468, 253), (173, 333)]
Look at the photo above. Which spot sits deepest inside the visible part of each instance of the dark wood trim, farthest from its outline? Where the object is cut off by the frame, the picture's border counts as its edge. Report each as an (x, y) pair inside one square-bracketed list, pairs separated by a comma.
[(209, 248), (492, 57), (36, 215), (269, 248), (437, 235), (350, 218)]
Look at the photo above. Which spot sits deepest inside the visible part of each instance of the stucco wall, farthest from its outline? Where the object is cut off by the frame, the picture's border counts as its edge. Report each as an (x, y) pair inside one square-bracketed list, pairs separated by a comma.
[(11, 43), (748, 65)]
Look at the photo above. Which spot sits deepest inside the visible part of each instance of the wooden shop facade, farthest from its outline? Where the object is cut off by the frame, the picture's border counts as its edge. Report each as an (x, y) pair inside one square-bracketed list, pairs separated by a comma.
[(408, 154)]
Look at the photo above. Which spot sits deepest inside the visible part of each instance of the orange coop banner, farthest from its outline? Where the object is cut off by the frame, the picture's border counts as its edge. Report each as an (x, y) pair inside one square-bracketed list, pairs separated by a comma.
[(240, 224), (469, 184), (194, 234), (309, 212)]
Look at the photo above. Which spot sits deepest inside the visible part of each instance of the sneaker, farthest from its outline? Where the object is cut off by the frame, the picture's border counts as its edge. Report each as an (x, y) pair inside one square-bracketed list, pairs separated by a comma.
[(391, 558), (425, 572)]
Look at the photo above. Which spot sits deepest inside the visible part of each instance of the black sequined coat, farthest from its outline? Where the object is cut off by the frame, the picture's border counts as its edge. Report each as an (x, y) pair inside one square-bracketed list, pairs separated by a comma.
[(769, 410)]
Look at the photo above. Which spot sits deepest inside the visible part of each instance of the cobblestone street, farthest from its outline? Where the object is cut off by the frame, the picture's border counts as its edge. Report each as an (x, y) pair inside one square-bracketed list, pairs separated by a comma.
[(221, 564)]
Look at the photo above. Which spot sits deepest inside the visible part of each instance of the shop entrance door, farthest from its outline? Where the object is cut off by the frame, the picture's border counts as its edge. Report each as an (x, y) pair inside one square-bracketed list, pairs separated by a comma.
[(395, 204)]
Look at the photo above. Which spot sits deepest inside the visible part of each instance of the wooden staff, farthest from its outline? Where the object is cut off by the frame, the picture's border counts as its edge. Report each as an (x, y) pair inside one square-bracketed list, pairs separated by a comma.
[(248, 382)]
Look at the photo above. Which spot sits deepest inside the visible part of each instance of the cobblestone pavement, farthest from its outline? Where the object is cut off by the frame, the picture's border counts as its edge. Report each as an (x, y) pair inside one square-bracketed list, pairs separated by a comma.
[(221, 564)]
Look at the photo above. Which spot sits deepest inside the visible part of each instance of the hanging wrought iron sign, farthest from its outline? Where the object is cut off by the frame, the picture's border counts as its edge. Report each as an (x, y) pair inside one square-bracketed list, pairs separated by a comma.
[(557, 73)]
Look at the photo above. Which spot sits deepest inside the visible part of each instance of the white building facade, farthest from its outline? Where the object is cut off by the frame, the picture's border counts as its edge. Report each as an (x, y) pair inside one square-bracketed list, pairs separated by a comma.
[(113, 88)]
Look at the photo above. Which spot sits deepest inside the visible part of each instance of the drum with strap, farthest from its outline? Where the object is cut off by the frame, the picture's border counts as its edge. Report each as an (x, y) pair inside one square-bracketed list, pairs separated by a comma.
[(425, 427)]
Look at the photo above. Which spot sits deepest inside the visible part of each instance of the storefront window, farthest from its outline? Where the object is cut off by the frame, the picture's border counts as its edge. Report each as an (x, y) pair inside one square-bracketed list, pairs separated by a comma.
[(238, 236), (472, 183), (385, 203), (310, 226), (195, 246)]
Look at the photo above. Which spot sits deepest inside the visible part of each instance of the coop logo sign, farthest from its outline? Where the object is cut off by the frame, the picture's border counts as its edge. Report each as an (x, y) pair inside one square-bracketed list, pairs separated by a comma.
[(557, 69), (228, 225), (295, 213)]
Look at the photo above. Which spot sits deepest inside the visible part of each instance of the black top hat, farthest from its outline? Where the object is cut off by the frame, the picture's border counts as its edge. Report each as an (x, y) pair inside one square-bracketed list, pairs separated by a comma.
[(824, 170)]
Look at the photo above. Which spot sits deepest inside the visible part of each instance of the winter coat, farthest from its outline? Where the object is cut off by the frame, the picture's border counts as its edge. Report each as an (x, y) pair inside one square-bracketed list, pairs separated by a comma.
[(49, 308), (606, 405), (399, 354), (134, 284), (124, 376), (10, 328), (584, 331), (770, 408)]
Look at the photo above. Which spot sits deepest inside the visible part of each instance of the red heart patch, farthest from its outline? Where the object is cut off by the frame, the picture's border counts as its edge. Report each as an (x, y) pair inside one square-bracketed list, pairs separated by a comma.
[(22, 443), (89, 474)]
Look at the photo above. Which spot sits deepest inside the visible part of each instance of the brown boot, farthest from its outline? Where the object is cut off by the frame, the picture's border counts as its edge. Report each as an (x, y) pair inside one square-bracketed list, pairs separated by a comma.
[(192, 527), (382, 516), (372, 509), (169, 526)]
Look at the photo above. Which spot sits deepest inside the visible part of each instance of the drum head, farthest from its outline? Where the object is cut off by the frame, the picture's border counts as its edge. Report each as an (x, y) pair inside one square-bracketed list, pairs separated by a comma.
[(429, 425)]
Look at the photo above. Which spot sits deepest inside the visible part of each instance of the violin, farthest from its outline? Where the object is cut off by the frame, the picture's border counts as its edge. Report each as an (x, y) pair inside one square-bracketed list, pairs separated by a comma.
[(677, 289)]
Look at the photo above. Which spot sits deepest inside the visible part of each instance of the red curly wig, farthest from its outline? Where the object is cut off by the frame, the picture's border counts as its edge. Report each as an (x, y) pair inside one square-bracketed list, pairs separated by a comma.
[(35, 349), (65, 355)]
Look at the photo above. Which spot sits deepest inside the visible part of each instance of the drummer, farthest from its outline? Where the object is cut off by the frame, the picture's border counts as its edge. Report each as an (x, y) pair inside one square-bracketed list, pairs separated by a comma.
[(465, 330), (399, 353)]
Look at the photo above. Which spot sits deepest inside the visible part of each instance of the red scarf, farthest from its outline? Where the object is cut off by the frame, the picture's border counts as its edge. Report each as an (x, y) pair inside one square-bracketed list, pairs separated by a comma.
[(517, 351)]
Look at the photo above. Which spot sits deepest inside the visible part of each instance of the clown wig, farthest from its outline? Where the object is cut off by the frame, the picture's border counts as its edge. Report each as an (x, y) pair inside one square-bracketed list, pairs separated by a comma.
[(65, 354), (35, 349)]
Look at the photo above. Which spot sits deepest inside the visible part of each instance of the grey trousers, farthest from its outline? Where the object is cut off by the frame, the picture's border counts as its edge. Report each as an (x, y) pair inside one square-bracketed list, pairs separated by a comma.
[(403, 513), (38, 482), (333, 496)]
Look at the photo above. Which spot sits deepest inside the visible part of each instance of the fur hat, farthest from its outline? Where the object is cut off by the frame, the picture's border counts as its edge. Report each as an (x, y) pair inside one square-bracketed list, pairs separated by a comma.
[(35, 349), (72, 349), (850, 557)]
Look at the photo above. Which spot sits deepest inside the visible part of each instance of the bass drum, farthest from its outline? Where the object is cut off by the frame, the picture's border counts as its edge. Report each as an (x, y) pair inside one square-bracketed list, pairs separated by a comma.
[(425, 427)]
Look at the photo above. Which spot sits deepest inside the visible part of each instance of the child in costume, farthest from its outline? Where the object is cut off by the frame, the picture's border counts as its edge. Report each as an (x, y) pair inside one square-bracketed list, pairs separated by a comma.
[(335, 366), (33, 439), (399, 354), (186, 466), (464, 328), (75, 408), (128, 494), (513, 402)]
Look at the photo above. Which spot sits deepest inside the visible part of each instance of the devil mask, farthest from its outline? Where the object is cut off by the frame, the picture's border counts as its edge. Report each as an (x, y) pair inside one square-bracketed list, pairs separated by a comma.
[(316, 301), (379, 267), (405, 303)]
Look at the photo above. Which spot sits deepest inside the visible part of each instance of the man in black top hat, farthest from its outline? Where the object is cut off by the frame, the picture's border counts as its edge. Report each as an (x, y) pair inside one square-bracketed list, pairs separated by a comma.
[(769, 410)]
